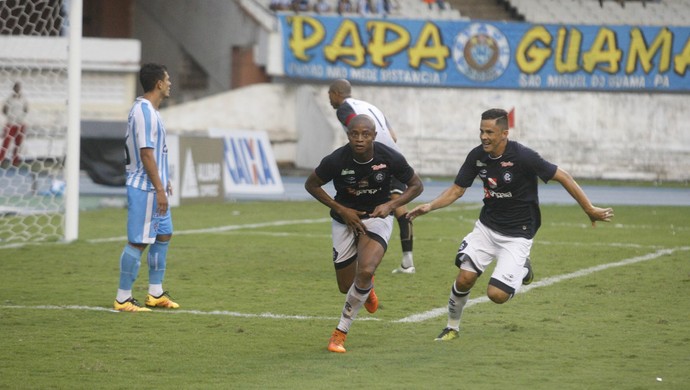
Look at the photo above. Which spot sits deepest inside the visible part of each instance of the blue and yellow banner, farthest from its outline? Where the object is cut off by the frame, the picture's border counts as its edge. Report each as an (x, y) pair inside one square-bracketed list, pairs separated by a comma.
[(487, 54)]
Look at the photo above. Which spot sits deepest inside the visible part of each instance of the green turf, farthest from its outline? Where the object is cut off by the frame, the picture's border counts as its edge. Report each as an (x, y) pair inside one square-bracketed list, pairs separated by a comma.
[(618, 328)]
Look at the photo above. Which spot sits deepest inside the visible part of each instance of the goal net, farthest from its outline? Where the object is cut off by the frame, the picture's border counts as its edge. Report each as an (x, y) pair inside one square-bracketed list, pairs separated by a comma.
[(34, 96)]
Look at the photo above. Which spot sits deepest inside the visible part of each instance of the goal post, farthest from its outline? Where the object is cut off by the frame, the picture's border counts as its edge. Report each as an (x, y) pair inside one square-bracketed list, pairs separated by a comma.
[(71, 230), (40, 76)]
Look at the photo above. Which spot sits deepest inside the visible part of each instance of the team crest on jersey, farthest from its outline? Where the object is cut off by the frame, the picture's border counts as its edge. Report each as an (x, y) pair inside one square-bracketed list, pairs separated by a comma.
[(492, 182), (379, 177), (507, 177), (481, 52)]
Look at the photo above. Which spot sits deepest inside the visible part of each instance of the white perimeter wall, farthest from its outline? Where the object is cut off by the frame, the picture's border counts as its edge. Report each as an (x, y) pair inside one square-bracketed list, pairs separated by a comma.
[(592, 135)]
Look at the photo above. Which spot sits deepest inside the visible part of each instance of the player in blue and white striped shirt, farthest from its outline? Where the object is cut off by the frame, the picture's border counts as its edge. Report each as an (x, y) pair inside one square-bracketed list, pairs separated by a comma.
[(148, 215)]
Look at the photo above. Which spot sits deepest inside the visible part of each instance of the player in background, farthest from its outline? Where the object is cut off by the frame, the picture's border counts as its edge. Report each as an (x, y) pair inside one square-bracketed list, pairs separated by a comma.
[(148, 214), (509, 219), (362, 173), (339, 94), (15, 109)]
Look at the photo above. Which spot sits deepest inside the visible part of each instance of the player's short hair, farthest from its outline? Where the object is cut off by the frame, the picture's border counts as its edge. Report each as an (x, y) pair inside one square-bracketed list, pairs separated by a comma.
[(362, 118), (150, 74), (499, 114), (342, 87)]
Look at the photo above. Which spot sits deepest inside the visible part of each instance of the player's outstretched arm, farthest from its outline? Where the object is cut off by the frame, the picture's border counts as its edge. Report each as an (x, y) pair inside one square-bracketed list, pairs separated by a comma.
[(447, 197), (594, 213)]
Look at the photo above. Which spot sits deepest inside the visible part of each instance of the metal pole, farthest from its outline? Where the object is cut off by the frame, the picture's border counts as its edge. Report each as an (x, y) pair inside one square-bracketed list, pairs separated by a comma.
[(73, 123)]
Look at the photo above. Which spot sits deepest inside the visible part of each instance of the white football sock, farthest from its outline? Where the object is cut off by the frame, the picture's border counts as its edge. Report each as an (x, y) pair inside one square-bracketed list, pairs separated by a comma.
[(353, 302), (407, 260), (123, 295), (156, 290), (456, 304)]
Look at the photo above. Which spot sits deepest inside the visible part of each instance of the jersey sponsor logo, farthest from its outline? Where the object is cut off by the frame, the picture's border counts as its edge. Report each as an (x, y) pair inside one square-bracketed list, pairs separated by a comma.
[(482, 173), (492, 182), (507, 177), (345, 172), (367, 191), (498, 195), (364, 183), (378, 167), (350, 180), (480, 164), (506, 164)]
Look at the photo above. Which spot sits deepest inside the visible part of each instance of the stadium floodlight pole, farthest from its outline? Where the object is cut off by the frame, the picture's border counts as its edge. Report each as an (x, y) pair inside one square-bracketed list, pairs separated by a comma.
[(72, 156)]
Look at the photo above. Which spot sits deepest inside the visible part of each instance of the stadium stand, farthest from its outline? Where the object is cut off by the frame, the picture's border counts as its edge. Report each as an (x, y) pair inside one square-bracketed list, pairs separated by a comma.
[(413, 9), (656, 13)]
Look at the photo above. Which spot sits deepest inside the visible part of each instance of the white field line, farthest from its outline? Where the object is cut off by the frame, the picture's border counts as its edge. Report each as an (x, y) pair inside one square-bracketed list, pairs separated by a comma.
[(409, 319), (226, 228), (193, 312), (547, 282)]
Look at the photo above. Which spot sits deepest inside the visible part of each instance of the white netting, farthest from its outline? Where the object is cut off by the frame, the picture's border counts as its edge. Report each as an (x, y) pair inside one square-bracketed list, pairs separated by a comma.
[(33, 54)]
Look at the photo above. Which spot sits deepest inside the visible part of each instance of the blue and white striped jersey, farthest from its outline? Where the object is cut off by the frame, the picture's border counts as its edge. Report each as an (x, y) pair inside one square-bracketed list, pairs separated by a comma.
[(145, 130)]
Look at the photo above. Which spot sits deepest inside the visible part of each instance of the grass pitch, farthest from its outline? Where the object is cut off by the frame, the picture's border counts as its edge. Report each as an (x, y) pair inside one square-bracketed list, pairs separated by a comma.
[(259, 301)]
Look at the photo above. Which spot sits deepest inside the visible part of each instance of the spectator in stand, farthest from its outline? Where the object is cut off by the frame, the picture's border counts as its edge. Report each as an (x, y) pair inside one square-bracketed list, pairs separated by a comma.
[(15, 109), (362, 7), (345, 7), (300, 5), (441, 4), (378, 7), (321, 7), (280, 5)]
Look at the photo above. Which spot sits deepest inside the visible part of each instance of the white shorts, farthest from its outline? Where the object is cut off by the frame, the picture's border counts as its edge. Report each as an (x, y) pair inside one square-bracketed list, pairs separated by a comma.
[(345, 241), (483, 245)]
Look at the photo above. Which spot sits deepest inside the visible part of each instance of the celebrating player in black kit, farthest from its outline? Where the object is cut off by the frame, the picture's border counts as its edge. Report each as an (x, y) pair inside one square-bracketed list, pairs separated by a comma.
[(362, 213), (509, 218)]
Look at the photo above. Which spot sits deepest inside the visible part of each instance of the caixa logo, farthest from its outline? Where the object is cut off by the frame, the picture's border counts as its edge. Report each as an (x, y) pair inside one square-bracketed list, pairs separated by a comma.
[(247, 161)]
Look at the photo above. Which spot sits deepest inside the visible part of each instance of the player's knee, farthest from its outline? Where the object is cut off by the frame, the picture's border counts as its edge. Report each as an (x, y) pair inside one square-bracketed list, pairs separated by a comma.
[(364, 274), (498, 292), (499, 297)]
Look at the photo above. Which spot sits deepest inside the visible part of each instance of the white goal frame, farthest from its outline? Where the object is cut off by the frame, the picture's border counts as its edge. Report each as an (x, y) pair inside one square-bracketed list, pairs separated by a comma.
[(71, 224), (41, 51)]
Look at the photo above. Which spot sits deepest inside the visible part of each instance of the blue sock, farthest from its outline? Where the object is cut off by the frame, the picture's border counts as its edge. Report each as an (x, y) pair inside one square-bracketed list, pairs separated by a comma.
[(129, 267), (156, 259)]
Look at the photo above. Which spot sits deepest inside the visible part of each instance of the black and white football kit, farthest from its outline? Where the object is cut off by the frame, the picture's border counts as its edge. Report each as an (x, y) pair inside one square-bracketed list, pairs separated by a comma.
[(510, 217)]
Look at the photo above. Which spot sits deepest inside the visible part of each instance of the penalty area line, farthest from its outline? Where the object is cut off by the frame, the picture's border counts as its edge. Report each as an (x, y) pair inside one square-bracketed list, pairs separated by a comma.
[(433, 313)]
